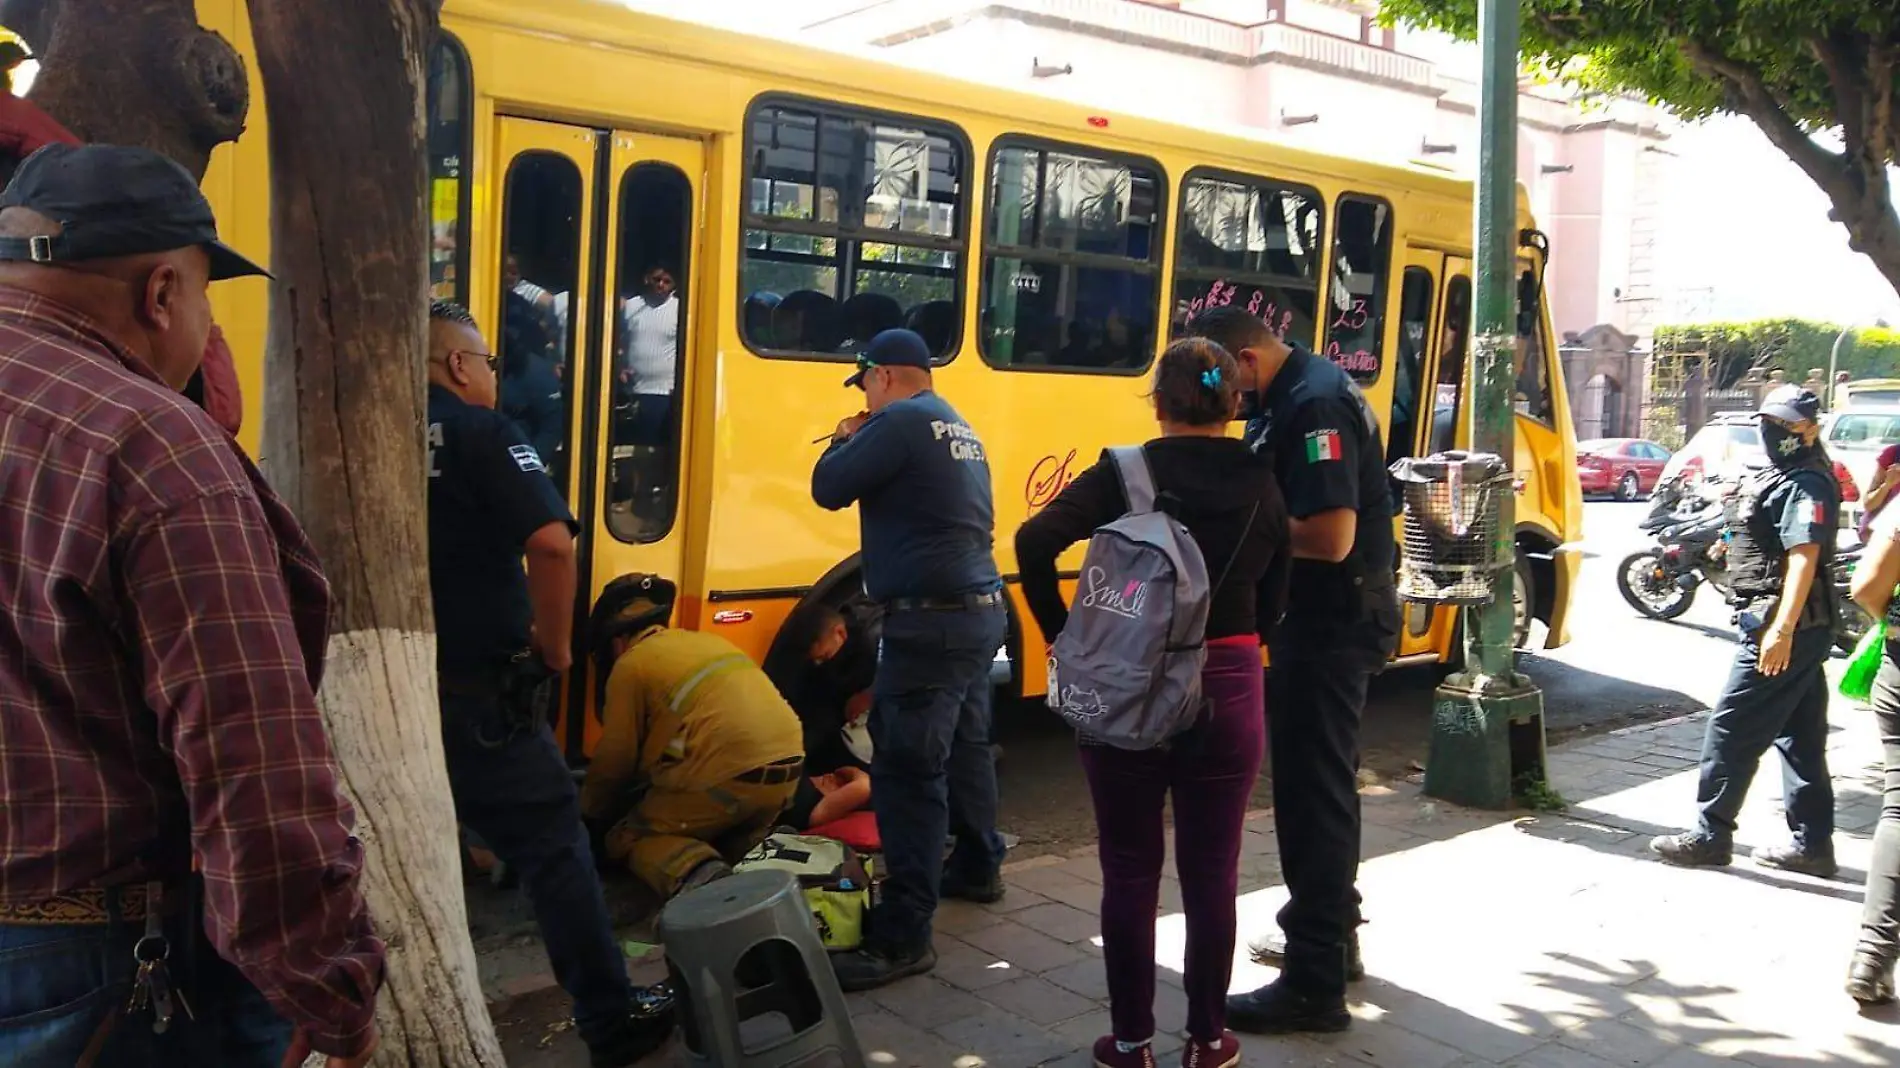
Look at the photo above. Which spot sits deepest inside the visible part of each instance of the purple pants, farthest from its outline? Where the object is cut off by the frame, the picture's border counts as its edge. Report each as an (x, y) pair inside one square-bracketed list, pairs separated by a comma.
[(1211, 772)]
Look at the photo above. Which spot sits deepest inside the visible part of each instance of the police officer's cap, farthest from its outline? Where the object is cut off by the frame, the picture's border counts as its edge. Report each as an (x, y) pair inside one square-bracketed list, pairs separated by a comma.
[(896, 347), (1791, 404), (111, 201)]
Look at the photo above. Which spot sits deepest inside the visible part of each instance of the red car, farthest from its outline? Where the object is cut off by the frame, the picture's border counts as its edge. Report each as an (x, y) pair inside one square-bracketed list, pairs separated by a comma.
[(1626, 467)]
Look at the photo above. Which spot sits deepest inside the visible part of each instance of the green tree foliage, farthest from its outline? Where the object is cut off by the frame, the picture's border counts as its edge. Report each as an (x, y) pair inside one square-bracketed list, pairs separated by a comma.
[(1793, 67), (1795, 346)]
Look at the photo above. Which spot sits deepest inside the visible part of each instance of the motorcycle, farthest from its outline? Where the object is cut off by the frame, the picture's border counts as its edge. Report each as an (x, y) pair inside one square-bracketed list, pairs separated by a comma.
[(1692, 549), (1660, 582)]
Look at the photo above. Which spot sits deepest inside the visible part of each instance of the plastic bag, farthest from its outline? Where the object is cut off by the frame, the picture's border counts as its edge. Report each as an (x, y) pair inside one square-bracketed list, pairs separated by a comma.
[(1857, 682)]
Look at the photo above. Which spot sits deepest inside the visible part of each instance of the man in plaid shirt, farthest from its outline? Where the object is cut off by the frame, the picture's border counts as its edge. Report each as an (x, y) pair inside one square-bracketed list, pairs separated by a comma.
[(162, 630)]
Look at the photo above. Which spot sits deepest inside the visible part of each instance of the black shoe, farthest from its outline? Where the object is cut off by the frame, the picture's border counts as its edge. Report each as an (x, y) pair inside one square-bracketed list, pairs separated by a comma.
[(1271, 951), (1278, 1009), (1868, 981), (1793, 858), (634, 1040), (986, 891), (1692, 850), (877, 965)]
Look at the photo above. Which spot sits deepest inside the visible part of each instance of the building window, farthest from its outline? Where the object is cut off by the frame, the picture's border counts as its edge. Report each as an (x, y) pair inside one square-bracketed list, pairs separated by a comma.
[(1355, 313), (1252, 243), (1071, 260), (449, 106), (853, 225)]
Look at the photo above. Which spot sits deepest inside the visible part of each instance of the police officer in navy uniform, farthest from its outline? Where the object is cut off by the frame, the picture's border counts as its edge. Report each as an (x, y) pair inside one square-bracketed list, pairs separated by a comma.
[(501, 638), (921, 481), (1341, 626), (1782, 525)]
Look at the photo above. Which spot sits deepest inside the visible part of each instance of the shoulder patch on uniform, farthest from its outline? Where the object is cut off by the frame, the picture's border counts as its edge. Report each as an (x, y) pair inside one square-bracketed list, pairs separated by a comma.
[(1820, 514), (1322, 445), (526, 458)]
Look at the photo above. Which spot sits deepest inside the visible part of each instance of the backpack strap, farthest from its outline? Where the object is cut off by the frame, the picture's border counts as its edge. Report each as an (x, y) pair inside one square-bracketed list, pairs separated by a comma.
[(1138, 481)]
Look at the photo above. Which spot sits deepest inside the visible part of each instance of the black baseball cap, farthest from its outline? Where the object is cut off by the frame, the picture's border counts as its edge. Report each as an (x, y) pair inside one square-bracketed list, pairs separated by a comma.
[(1793, 404), (114, 200), (891, 348)]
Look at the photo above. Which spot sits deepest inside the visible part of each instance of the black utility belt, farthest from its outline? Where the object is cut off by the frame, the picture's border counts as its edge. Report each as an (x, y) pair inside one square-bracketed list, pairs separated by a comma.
[(969, 602)]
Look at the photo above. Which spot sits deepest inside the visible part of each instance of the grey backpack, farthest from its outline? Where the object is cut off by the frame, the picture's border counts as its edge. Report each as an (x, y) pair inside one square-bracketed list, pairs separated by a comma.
[(1126, 669)]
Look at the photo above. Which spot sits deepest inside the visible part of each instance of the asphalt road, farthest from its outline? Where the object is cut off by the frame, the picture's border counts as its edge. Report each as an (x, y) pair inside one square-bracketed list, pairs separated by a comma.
[(1618, 668)]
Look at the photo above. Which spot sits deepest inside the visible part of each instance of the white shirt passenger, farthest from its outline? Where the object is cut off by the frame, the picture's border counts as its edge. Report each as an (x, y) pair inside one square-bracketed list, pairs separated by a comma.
[(653, 334)]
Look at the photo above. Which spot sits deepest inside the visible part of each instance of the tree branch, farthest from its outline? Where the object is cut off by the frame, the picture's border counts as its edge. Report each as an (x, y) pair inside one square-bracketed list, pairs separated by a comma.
[(1749, 94), (1844, 72), (1883, 141)]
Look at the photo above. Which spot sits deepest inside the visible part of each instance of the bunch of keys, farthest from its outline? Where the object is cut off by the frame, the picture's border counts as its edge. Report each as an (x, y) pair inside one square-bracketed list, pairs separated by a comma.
[(152, 986)]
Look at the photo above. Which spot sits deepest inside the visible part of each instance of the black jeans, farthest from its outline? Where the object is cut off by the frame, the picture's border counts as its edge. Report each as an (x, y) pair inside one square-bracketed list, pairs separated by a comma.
[(1880, 916), (1787, 711), (932, 770), (512, 788), (1317, 698)]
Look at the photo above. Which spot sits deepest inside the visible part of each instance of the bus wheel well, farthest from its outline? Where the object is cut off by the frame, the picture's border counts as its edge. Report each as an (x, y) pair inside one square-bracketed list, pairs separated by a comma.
[(1535, 549)]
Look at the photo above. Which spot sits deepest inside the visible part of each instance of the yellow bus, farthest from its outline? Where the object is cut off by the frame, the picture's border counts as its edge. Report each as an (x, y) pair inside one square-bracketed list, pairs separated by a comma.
[(581, 154)]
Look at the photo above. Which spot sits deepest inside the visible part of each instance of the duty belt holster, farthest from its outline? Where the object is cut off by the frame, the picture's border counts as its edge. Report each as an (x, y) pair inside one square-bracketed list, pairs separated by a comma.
[(519, 690)]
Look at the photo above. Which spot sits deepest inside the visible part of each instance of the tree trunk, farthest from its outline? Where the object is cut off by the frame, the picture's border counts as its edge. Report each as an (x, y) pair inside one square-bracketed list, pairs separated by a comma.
[(135, 72), (343, 441)]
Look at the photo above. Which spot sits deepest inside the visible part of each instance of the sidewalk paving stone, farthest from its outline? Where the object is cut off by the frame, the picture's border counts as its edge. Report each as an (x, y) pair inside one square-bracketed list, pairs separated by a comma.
[(1497, 940)]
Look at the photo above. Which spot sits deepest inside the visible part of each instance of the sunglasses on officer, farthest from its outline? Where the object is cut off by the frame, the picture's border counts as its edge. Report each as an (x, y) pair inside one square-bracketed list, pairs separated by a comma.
[(493, 361)]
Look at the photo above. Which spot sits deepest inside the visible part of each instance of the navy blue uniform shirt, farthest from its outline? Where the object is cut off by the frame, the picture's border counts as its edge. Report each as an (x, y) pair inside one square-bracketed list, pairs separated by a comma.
[(1324, 442), (922, 485), (488, 492), (531, 396)]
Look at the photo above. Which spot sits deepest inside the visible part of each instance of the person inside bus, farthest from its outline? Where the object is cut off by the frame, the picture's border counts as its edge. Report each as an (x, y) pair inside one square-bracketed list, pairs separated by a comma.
[(698, 752), (649, 358), (530, 388), (1228, 499)]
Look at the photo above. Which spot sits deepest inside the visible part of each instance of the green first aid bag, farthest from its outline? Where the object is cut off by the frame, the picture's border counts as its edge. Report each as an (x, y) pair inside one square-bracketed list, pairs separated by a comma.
[(1857, 682), (835, 878)]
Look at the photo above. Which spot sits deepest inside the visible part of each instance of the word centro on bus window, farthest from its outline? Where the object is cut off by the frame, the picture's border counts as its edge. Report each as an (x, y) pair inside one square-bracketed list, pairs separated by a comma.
[(963, 443), (1221, 293)]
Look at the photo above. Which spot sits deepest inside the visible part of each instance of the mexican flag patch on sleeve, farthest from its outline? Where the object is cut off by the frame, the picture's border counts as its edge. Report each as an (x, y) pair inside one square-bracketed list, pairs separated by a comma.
[(1322, 445)]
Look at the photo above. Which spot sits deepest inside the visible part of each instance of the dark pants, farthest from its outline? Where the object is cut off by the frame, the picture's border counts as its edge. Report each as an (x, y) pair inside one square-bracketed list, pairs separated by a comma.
[(58, 982), (1787, 711), (512, 788), (1317, 697), (932, 771), (1880, 916), (1210, 773)]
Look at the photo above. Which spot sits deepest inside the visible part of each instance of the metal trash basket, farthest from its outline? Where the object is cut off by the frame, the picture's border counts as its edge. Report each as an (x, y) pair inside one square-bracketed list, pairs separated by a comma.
[(1450, 552)]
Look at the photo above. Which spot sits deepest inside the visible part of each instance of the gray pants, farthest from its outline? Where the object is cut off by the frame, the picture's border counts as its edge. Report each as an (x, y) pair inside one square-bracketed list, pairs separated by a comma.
[(1880, 918)]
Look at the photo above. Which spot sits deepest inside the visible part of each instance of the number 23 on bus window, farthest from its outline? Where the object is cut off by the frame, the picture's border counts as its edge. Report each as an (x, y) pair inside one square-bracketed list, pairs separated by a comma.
[(1359, 361), (1050, 476), (1221, 293)]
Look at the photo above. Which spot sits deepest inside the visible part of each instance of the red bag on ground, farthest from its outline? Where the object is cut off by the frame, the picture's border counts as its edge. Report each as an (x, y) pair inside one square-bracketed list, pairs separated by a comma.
[(858, 830)]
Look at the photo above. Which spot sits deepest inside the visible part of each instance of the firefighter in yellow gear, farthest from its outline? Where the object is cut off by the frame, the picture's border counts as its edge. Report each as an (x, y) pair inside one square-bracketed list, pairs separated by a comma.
[(698, 753)]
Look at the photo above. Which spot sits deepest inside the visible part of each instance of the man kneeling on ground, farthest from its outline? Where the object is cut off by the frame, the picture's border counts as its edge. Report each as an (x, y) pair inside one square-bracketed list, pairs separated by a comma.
[(698, 752)]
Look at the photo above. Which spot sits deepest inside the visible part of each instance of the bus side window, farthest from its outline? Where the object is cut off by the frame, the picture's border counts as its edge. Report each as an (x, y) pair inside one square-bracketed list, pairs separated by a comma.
[(448, 126), (540, 264), (1408, 391), (643, 448), (1071, 261), (853, 225), (1531, 394), (1355, 312), (1454, 344), (1254, 244)]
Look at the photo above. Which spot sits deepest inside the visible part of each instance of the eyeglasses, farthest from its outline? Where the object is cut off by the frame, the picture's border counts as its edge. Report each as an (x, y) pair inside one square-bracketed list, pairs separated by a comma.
[(493, 361)]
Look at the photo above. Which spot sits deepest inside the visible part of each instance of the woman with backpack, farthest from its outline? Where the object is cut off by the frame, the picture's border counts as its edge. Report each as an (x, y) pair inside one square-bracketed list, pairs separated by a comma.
[(1230, 505)]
